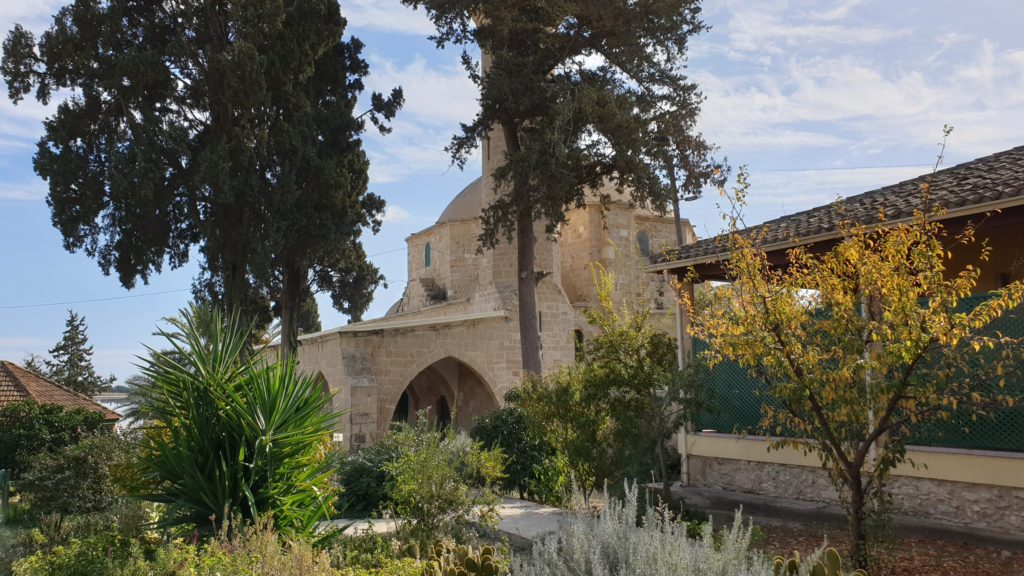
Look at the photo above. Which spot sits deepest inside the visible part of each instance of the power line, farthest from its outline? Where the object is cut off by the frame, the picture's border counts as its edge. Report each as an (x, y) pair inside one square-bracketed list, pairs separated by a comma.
[(130, 296), (881, 166), (125, 297)]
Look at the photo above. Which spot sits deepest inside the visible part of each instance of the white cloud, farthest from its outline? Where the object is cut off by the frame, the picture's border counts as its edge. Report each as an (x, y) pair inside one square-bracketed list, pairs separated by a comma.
[(437, 99), (793, 191), (779, 193), (32, 14), (435, 94), (761, 30), (394, 213), (30, 193), (386, 16), (869, 104), (838, 12)]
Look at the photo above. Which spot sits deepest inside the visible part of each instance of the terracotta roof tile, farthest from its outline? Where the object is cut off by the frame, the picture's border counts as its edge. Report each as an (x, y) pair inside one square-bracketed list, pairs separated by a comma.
[(17, 384), (995, 178)]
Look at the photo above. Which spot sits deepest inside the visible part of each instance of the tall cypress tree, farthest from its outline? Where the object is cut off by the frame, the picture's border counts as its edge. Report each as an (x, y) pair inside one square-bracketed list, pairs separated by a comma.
[(70, 362), (205, 127)]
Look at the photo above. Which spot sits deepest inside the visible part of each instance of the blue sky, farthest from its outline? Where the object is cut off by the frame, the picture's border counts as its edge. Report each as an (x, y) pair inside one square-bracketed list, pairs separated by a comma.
[(818, 98)]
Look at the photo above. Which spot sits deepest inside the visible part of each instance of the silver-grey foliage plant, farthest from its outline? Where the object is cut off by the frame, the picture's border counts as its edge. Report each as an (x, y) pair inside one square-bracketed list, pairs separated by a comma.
[(612, 543)]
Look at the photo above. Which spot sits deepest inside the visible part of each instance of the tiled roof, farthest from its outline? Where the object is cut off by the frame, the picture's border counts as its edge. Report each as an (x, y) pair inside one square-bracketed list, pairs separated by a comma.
[(17, 384), (964, 188)]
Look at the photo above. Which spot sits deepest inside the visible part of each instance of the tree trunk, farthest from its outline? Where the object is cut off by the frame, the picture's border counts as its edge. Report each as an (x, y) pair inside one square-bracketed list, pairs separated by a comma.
[(291, 299), (858, 530), (677, 218), (236, 289), (666, 486), (529, 325)]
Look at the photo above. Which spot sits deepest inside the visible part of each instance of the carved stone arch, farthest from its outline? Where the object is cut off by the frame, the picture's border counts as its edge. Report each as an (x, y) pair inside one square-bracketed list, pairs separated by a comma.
[(325, 388), (430, 383)]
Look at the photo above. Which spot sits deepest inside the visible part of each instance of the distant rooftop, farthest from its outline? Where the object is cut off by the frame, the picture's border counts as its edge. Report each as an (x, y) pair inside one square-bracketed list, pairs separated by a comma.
[(18, 384)]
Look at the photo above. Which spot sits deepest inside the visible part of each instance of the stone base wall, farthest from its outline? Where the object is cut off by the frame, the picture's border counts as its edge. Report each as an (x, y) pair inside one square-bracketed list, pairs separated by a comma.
[(960, 503)]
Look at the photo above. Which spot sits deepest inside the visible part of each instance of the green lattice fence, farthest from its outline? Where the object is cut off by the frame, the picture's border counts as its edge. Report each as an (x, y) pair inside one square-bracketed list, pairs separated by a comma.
[(738, 398)]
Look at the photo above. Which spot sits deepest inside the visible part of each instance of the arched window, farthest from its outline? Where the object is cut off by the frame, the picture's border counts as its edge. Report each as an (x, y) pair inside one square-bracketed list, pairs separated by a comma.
[(426, 255), (644, 241)]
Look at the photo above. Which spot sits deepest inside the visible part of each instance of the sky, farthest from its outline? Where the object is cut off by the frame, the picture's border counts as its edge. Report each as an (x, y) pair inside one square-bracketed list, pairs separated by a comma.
[(818, 99)]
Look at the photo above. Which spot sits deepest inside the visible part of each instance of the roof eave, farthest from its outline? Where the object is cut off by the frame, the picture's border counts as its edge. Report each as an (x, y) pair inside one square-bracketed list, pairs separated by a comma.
[(834, 234)]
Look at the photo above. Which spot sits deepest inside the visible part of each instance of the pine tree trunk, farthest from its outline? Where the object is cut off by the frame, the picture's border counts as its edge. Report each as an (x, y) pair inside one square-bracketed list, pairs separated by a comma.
[(526, 274), (236, 290), (676, 213), (291, 300), (529, 325)]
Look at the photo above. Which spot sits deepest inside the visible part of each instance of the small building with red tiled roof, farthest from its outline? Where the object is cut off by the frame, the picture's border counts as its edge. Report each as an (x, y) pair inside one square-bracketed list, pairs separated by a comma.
[(18, 384)]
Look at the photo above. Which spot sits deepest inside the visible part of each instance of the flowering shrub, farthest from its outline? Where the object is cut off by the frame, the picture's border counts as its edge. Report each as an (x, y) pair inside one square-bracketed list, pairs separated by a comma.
[(613, 542)]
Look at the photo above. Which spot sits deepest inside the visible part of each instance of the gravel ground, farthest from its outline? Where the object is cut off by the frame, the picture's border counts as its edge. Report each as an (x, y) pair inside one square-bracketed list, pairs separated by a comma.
[(904, 556)]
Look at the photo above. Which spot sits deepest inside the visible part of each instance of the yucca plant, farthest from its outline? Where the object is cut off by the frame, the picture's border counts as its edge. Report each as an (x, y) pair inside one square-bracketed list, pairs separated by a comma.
[(230, 434)]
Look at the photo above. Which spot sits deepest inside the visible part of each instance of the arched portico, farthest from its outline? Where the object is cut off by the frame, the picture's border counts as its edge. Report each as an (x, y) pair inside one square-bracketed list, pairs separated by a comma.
[(325, 389), (450, 390)]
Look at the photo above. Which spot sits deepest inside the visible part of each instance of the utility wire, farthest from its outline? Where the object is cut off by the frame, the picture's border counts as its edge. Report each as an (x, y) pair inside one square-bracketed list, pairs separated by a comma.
[(838, 168), (125, 297)]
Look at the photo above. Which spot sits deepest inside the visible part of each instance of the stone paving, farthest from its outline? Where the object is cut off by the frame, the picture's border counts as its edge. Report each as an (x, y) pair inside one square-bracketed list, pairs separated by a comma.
[(520, 519)]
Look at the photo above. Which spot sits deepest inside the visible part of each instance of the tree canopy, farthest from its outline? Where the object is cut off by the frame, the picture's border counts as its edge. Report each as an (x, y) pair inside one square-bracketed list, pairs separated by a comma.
[(574, 89), (220, 127), (861, 345)]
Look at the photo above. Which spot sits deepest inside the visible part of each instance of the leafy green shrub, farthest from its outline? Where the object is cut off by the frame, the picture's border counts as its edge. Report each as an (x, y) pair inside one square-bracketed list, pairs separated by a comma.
[(231, 434), (255, 549), (551, 481), (565, 409), (367, 550), (363, 478), (76, 479), (30, 428), (258, 549), (532, 467), (79, 557), (442, 481), (615, 543), (611, 414)]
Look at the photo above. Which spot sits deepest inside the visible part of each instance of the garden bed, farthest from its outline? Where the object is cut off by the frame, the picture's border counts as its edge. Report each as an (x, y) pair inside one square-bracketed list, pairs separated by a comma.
[(905, 556)]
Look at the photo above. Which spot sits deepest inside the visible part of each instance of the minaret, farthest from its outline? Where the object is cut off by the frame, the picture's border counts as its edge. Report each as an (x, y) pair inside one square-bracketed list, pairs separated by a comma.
[(503, 260)]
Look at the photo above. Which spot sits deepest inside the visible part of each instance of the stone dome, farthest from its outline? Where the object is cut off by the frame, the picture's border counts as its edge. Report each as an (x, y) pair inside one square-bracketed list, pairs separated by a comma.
[(466, 205)]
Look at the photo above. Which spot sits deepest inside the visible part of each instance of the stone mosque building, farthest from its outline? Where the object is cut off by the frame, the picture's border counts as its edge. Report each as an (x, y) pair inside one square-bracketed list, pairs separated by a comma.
[(451, 343)]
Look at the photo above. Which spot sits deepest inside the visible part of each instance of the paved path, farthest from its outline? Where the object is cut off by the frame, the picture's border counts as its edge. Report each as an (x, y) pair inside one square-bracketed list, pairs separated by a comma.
[(528, 520), (519, 519)]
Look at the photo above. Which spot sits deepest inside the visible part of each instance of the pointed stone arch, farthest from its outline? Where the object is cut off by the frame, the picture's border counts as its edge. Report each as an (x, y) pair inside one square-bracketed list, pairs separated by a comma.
[(444, 382), (325, 389)]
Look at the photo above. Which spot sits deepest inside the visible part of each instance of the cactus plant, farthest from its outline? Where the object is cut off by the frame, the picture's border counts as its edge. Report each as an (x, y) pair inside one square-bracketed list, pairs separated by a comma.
[(462, 561), (831, 564)]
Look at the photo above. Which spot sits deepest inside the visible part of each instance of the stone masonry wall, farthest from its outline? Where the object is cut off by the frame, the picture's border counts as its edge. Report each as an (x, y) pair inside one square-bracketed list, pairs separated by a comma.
[(975, 505)]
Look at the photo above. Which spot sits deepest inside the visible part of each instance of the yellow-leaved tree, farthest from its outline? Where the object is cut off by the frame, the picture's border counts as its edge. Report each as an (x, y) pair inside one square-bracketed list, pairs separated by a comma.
[(860, 344)]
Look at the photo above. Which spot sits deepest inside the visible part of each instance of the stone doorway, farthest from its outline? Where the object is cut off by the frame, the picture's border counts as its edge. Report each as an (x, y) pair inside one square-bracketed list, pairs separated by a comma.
[(451, 391)]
